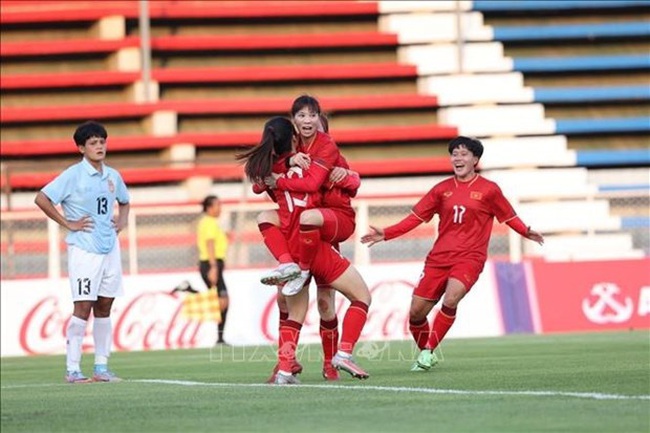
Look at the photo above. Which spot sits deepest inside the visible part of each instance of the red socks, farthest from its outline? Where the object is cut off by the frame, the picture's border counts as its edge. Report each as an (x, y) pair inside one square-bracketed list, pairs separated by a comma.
[(287, 343), (275, 242), (441, 324), (353, 323), (421, 332), (283, 318), (309, 237), (329, 335)]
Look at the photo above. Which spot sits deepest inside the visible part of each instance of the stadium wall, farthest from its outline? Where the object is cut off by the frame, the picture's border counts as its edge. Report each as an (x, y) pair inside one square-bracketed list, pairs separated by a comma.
[(527, 297)]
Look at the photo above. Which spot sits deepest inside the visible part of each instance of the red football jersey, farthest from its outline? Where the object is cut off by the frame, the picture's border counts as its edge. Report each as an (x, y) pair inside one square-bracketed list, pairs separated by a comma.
[(467, 211), (290, 204), (325, 155)]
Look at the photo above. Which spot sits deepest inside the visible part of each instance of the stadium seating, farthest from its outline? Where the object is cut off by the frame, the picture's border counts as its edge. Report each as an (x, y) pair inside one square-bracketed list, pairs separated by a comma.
[(392, 76), (574, 53), (529, 70), (207, 98)]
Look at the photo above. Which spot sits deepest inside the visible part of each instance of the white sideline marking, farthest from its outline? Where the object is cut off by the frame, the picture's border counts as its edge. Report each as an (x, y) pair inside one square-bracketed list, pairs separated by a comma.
[(588, 395)]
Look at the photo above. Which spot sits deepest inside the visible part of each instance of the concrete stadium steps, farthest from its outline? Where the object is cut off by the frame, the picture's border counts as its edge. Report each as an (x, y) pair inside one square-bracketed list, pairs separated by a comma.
[(586, 61), (621, 179), (535, 184), (477, 89), (485, 121), (422, 28), (525, 152), (477, 57), (575, 216)]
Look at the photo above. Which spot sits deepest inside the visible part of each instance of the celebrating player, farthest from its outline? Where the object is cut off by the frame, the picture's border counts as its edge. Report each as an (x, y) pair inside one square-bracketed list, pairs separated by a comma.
[(333, 220), (329, 266), (467, 204)]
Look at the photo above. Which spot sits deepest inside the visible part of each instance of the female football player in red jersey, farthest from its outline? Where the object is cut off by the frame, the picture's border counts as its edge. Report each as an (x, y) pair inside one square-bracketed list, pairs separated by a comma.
[(329, 267), (467, 204), (333, 221)]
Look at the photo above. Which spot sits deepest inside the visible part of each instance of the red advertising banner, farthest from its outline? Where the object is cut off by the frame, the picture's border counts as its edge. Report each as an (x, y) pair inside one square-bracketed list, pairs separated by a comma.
[(592, 296)]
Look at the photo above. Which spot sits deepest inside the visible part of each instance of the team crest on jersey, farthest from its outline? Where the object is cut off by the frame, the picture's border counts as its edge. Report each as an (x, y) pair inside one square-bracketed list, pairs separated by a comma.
[(111, 186), (475, 195)]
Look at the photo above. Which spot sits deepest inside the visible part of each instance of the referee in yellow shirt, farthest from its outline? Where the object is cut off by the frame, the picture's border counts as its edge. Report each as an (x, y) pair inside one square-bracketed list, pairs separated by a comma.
[(212, 243)]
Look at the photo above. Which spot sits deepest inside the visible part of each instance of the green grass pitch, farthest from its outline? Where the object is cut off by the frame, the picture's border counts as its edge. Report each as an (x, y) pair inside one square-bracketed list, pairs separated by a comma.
[(522, 383)]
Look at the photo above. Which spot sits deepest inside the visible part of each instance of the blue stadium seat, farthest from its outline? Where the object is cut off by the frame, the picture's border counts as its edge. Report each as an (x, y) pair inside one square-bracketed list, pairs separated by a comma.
[(599, 158), (589, 32), (582, 63), (580, 95), (552, 5), (635, 222), (624, 187), (603, 125)]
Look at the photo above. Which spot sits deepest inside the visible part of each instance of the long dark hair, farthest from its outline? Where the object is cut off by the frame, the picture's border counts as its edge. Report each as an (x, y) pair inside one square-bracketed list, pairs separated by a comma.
[(276, 141)]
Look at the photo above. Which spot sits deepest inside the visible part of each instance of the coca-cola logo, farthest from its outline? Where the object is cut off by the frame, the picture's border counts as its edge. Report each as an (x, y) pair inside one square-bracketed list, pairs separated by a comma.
[(387, 316), (151, 320)]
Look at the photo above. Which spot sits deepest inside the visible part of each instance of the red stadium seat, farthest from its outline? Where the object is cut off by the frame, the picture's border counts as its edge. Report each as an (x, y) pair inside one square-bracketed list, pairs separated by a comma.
[(84, 11), (234, 171), (218, 75), (278, 106), (64, 47), (231, 139)]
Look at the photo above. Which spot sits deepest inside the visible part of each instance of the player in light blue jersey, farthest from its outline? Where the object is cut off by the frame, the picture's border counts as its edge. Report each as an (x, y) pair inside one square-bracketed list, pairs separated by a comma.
[(87, 192)]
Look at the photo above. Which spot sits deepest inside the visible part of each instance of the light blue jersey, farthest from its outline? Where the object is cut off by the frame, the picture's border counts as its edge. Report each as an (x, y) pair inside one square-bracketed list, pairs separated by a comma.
[(81, 190)]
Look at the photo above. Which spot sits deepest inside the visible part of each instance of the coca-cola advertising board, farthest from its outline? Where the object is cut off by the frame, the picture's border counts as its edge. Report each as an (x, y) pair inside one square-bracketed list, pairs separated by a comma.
[(593, 296), (35, 313)]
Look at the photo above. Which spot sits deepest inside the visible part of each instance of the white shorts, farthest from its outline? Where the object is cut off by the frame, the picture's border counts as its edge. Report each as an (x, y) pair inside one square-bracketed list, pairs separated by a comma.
[(92, 275)]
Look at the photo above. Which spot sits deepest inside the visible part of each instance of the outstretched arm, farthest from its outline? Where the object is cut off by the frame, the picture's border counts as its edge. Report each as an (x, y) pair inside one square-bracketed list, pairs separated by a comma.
[(396, 230), (518, 225)]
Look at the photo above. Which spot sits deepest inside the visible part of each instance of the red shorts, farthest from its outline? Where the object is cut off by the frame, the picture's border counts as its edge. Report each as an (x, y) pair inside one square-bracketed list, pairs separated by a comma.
[(321, 284), (433, 280), (338, 224), (328, 265)]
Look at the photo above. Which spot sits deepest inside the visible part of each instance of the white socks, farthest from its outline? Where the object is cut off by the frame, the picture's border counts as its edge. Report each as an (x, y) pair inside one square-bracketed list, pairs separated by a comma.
[(103, 336), (75, 335)]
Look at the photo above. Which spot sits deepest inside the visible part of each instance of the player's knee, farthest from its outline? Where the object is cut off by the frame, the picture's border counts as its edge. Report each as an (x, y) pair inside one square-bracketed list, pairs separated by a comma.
[(325, 308), (418, 312), (311, 217), (365, 297), (268, 216)]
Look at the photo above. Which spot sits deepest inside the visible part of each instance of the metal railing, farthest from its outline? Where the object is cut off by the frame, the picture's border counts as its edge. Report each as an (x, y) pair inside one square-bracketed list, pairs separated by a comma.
[(162, 238)]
